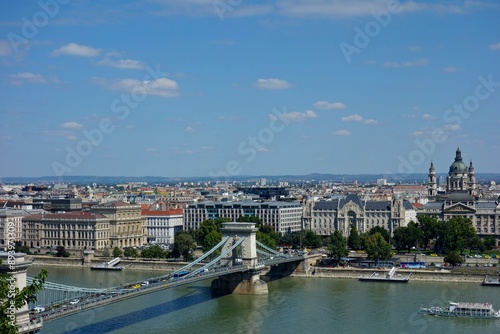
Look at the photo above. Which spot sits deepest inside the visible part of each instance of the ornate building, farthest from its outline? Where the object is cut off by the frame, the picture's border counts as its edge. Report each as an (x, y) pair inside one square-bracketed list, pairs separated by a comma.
[(326, 216), (461, 199)]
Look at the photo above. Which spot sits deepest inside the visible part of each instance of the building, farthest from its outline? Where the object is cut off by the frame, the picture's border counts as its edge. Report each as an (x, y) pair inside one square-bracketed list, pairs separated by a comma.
[(344, 212), (127, 227), (461, 199), (284, 217), (11, 221), (71, 230), (162, 225)]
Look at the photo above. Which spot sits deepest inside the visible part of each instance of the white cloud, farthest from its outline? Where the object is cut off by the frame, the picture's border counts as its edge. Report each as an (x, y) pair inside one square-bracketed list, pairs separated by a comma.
[(122, 63), (73, 49), (395, 64), (207, 148), (414, 48), (189, 129), (342, 133), (71, 125), (428, 117), (150, 149), (162, 87), (271, 83), (495, 46), (358, 118), (452, 127), (295, 116), (27, 77), (329, 105), (417, 134), (5, 48), (450, 69)]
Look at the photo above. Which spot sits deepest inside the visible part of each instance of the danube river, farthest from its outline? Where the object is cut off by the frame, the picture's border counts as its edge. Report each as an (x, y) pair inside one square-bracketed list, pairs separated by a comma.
[(294, 305)]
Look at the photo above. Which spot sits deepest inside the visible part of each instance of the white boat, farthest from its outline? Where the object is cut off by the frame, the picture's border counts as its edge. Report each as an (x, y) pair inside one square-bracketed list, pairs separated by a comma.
[(389, 277), (465, 310)]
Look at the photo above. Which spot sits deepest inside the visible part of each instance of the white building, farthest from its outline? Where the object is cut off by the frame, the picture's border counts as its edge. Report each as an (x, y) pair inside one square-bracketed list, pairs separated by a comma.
[(162, 225)]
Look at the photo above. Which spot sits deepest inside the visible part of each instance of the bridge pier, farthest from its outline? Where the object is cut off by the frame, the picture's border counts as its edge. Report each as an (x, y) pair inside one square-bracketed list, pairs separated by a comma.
[(245, 283)]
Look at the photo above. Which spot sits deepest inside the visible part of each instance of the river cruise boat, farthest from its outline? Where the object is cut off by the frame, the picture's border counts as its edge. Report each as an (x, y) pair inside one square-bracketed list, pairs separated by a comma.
[(389, 277), (491, 281), (464, 310)]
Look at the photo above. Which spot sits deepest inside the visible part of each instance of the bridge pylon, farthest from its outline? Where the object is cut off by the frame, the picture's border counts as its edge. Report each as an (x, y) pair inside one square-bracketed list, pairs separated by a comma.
[(247, 282)]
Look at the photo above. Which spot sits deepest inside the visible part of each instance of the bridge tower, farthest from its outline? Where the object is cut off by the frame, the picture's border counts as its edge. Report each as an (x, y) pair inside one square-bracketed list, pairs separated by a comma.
[(247, 282)]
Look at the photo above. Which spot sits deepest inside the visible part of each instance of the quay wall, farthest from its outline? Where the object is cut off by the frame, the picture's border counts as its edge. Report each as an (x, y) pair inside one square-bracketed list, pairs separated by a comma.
[(428, 275), (135, 264)]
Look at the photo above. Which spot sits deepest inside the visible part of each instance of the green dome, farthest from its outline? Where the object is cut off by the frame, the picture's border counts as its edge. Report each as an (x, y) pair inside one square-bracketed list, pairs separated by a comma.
[(458, 166)]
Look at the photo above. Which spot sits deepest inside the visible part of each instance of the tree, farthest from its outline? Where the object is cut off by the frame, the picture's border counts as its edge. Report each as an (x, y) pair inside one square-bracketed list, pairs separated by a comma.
[(377, 248), (382, 231), (130, 252), (354, 240), (183, 245), (61, 252), (407, 237), (208, 234), (455, 234), (429, 226), (476, 243), (453, 258), (337, 246), (153, 252), (117, 252), (16, 298), (489, 243)]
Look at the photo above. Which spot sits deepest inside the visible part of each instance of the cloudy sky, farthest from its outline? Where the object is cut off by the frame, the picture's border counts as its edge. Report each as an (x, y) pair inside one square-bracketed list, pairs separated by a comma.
[(226, 87)]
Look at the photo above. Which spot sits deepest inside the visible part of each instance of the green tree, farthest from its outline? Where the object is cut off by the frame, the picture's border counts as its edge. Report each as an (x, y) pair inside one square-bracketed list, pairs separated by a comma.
[(337, 246), (183, 245), (382, 231), (377, 248), (429, 225), (117, 252), (453, 258), (407, 237), (16, 298), (61, 252), (208, 234), (489, 243), (130, 252), (354, 240), (153, 252), (312, 240), (476, 243), (455, 234)]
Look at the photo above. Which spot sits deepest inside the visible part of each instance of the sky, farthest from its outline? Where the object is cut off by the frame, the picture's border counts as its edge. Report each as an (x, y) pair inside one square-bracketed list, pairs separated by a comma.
[(222, 88)]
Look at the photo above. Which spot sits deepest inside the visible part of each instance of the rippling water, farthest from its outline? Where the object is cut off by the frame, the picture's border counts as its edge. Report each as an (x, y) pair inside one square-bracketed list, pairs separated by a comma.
[(294, 305)]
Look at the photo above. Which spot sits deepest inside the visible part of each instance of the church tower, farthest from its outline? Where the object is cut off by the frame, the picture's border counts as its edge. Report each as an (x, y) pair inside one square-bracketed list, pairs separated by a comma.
[(432, 181), (458, 176)]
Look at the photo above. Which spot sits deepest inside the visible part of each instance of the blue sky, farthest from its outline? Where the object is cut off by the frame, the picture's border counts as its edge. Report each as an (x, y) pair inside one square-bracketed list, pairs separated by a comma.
[(233, 87)]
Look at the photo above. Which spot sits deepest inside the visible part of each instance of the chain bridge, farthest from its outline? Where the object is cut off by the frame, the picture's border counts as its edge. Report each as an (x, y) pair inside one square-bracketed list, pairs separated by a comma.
[(235, 263)]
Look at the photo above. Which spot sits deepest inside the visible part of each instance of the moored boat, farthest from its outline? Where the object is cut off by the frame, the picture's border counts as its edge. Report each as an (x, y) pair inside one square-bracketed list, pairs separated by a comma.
[(389, 277), (465, 310), (491, 281)]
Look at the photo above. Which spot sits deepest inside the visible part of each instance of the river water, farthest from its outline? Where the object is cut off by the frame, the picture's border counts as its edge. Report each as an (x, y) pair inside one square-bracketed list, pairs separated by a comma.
[(293, 305)]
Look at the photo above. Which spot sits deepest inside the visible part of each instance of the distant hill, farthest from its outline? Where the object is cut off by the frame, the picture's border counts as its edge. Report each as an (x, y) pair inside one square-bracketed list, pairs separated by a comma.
[(314, 178)]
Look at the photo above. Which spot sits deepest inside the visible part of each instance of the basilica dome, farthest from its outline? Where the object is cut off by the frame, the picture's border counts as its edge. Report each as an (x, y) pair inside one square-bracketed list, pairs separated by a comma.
[(458, 167)]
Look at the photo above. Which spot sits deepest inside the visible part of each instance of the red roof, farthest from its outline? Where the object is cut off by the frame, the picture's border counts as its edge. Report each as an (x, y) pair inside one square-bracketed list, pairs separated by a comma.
[(170, 212)]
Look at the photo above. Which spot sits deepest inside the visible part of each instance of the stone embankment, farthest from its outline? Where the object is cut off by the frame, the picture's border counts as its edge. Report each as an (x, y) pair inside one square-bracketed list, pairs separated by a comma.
[(135, 264), (429, 275)]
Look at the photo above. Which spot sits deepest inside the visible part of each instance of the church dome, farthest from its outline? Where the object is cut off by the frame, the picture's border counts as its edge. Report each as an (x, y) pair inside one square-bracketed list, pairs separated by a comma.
[(458, 167)]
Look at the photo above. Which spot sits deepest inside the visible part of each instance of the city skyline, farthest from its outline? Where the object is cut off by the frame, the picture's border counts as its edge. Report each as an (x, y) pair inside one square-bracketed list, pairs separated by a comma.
[(217, 88)]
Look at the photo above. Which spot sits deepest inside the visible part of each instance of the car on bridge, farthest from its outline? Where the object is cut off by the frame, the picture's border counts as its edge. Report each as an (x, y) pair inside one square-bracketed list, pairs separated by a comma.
[(74, 301), (136, 286), (38, 309)]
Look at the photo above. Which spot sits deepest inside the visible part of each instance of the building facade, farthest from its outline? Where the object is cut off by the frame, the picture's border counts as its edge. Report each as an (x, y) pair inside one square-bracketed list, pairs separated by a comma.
[(340, 214), (162, 225), (72, 230), (284, 217), (127, 227)]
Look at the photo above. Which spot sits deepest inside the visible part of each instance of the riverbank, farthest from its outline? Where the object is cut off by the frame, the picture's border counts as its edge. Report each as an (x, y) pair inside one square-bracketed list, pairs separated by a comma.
[(429, 275), (134, 264)]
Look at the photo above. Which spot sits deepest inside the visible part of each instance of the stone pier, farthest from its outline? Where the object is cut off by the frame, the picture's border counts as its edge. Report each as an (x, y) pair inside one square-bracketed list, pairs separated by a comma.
[(248, 282)]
